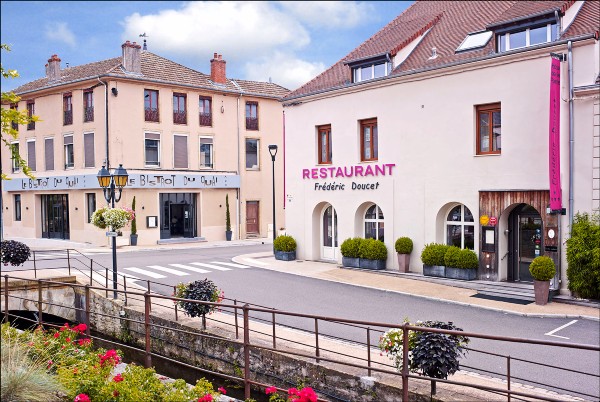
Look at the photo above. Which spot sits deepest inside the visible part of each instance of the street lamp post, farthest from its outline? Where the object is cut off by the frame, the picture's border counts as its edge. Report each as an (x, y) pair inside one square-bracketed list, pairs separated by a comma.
[(273, 152), (110, 183)]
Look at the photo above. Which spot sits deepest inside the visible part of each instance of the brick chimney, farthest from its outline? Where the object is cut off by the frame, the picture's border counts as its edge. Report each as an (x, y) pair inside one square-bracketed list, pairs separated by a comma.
[(132, 57), (217, 69), (53, 69)]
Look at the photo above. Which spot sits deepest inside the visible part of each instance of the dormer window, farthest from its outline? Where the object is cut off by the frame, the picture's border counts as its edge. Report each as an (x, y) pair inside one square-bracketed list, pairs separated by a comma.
[(370, 68), (526, 37)]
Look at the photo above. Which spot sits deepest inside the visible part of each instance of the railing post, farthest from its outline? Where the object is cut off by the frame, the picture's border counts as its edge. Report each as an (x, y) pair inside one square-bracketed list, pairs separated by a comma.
[(174, 294), (148, 357), (87, 309), (273, 322), (6, 319), (508, 375), (40, 320), (369, 351), (246, 353), (125, 291), (69, 262), (148, 287), (317, 339), (91, 272), (106, 281), (34, 266), (404, 363), (237, 327)]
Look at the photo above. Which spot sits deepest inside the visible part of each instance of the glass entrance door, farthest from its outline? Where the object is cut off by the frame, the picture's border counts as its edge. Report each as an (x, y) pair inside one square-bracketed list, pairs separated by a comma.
[(525, 241), (329, 234), (177, 215), (55, 216)]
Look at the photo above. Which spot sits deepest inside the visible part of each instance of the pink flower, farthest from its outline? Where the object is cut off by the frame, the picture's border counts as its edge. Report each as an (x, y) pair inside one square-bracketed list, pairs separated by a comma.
[(56, 334), (50, 363), (85, 342), (293, 391), (206, 398), (115, 393), (111, 356), (222, 390), (118, 378), (270, 390), (80, 328), (68, 340), (66, 326), (82, 398), (307, 395)]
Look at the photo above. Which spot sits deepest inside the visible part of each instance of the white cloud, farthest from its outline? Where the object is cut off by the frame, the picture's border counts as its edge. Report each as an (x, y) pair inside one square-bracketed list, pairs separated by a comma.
[(330, 14), (284, 69), (237, 30), (59, 31)]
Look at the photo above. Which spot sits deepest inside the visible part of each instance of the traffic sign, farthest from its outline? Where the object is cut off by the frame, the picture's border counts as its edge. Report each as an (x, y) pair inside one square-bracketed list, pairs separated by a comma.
[(493, 220)]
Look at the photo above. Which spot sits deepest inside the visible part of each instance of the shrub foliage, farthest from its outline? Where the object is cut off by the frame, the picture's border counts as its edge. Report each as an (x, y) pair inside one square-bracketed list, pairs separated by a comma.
[(284, 243), (372, 249), (433, 254), (350, 247), (542, 268), (468, 259), (14, 252), (583, 256), (204, 290), (452, 257), (404, 245)]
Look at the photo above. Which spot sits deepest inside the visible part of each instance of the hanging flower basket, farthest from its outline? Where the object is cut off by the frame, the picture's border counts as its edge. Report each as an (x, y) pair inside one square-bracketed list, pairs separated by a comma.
[(115, 218)]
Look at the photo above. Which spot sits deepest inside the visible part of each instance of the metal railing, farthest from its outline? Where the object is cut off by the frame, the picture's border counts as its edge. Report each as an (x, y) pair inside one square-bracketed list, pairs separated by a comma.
[(321, 355)]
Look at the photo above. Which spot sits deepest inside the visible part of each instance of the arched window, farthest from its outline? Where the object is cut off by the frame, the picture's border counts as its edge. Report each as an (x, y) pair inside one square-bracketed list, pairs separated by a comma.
[(460, 228), (374, 223)]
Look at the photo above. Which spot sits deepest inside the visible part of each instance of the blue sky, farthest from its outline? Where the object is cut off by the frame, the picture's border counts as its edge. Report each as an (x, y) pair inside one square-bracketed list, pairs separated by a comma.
[(289, 42)]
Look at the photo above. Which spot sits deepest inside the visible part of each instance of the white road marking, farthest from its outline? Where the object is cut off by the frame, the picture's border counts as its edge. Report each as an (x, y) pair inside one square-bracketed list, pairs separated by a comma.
[(211, 266), (193, 269), (169, 270), (551, 333), (146, 273), (253, 261), (230, 264)]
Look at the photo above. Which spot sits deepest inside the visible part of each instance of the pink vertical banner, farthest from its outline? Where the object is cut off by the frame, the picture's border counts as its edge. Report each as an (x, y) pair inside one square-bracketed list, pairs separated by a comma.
[(554, 136)]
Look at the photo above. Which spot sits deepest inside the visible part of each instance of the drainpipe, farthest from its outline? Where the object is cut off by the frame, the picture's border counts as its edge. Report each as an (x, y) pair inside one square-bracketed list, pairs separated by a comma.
[(239, 169), (106, 116), (571, 131)]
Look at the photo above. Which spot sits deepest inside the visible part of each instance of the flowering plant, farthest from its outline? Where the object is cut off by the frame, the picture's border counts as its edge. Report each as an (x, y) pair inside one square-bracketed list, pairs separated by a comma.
[(306, 394), (115, 218)]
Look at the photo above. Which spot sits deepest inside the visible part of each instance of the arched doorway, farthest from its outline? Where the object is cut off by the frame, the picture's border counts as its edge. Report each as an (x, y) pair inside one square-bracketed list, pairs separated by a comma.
[(329, 239), (525, 241)]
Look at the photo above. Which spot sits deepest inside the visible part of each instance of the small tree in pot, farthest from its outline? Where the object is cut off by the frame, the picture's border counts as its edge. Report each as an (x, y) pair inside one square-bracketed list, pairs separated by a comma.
[(404, 246), (285, 248), (542, 269), (204, 290), (350, 252), (133, 238), (227, 219)]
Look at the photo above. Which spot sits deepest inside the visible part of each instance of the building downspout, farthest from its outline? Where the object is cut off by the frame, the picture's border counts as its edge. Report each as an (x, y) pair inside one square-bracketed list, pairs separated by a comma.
[(107, 161), (571, 132), (239, 163)]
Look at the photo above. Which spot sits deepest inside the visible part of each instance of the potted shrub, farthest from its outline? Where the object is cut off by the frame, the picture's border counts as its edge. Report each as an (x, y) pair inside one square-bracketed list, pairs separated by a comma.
[(372, 254), (350, 252), (285, 248), (133, 237), (542, 269), (461, 264), (227, 219), (204, 290), (432, 257), (404, 247)]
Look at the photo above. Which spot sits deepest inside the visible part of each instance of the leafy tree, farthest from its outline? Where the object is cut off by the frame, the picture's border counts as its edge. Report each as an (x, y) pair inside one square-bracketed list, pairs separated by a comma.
[(11, 117)]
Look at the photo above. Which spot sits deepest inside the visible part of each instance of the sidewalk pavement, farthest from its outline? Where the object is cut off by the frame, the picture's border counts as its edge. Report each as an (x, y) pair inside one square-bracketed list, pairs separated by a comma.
[(388, 280)]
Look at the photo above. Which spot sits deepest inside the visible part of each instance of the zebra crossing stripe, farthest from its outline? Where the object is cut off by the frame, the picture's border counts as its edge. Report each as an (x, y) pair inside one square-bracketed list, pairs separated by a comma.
[(230, 264), (211, 266), (169, 270), (146, 272), (194, 269)]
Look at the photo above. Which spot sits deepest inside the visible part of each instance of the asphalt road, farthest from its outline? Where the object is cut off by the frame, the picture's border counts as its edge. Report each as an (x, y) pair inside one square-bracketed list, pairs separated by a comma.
[(312, 296)]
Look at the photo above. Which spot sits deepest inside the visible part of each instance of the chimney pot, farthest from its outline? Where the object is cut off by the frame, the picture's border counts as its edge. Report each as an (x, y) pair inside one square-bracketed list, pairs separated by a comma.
[(53, 68), (217, 69), (131, 59)]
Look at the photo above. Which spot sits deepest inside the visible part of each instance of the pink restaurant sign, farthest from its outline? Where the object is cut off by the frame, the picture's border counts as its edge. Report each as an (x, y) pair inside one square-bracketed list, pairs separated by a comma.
[(554, 136)]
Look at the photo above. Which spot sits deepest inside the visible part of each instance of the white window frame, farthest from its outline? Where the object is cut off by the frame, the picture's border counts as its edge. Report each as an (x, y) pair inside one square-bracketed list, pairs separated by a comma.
[(257, 166), (15, 166), (462, 223), (527, 37), (212, 152), (357, 71), (159, 152), (376, 220), (72, 144)]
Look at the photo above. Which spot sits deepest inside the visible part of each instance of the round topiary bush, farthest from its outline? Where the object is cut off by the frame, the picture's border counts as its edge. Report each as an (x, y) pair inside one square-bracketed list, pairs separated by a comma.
[(372, 249), (542, 268), (350, 247), (404, 245), (433, 254), (468, 259), (284, 243), (14, 252), (452, 257)]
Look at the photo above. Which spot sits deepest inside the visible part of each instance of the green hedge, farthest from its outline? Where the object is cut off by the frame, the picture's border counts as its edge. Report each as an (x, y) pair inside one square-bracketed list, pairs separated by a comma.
[(583, 256), (284, 243), (542, 268), (350, 247), (404, 245), (468, 259), (372, 249), (433, 254)]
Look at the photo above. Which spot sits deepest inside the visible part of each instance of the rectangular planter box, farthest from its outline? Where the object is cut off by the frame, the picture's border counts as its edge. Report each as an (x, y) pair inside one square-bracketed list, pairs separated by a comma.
[(461, 273), (351, 262), (434, 270), (372, 264), (285, 255)]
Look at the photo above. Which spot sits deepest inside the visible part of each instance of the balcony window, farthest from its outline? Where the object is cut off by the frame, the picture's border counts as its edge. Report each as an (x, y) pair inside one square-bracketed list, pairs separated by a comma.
[(67, 109), (88, 106), (179, 111), (151, 105), (205, 111), (251, 115), (30, 114)]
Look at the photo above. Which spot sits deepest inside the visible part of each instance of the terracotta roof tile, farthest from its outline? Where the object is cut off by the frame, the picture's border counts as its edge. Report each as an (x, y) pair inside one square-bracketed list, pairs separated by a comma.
[(450, 23), (155, 68)]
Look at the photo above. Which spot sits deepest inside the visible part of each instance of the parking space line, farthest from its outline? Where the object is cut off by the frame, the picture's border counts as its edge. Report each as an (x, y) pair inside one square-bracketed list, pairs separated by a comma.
[(551, 333)]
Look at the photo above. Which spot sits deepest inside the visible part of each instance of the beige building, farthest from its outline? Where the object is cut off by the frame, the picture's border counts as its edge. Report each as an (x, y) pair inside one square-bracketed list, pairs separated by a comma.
[(438, 128), (187, 140)]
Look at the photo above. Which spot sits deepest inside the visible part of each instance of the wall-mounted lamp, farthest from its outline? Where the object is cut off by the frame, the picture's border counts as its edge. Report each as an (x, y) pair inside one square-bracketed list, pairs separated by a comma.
[(115, 91), (142, 207), (222, 107), (26, 207), (76, 209), (506, 231)]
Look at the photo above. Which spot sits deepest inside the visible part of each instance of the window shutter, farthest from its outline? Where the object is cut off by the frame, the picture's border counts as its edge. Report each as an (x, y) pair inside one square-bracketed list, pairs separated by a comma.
[(180, 148), (88, 145), (31, 155), (152, 136), (68, 139), (49, 153)]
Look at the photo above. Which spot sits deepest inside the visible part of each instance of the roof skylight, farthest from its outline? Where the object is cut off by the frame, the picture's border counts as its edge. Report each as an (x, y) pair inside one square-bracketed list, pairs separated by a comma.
[(475, 41)]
